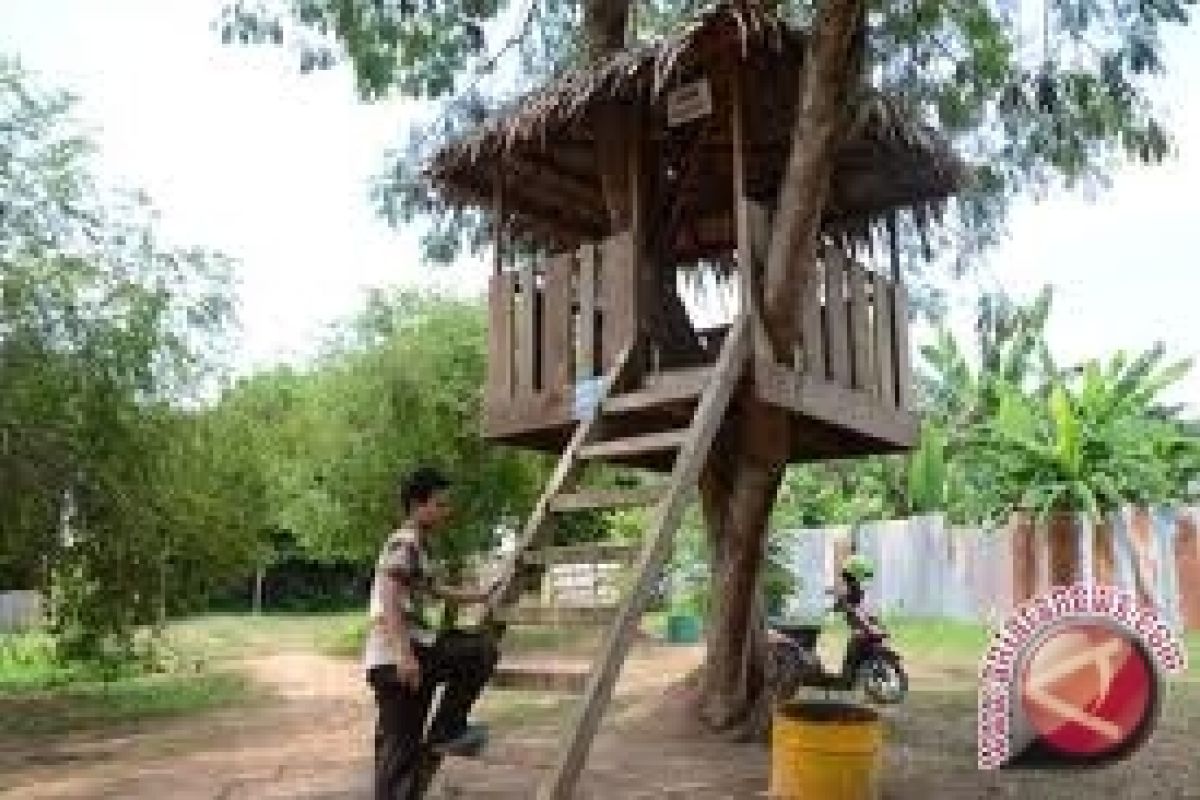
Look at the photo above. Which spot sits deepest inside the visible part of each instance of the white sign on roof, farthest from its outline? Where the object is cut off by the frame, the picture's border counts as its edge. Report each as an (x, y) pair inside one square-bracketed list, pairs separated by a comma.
[(689, 103)]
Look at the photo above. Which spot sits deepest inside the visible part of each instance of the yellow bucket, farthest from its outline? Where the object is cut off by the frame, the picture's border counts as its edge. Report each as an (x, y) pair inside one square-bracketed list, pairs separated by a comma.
[(826, 751)]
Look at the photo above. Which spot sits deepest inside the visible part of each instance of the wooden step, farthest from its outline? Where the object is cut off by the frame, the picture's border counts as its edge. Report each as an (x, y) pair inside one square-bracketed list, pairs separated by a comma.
[(636, 445), (586, 553), (559, 616), (588, 499), (661, 389), (546, 674)]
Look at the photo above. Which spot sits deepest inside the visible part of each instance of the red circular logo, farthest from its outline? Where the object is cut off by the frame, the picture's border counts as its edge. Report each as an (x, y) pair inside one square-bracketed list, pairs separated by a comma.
[(1088, 690)]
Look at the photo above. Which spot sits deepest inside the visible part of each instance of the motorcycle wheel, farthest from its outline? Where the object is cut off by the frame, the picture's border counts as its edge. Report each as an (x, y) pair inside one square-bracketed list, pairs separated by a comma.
[(785, 670), (884, 679)]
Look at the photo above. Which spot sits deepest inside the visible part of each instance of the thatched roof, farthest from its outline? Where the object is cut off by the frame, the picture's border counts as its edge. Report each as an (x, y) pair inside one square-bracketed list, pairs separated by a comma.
[(544, 144)]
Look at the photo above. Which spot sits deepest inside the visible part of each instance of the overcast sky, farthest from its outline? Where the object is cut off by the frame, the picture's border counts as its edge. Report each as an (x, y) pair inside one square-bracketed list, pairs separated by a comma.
[(243, 154)]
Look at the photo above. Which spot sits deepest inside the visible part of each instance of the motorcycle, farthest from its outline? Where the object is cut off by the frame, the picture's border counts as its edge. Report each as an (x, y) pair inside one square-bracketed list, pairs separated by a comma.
[(869, 663)]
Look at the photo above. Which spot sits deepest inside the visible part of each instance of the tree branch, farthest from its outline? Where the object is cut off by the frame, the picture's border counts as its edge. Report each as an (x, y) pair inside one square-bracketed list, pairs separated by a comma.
[(822, 116), (514, 40)]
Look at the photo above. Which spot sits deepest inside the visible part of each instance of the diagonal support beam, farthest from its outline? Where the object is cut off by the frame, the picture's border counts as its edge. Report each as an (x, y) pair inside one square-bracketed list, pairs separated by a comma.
[(734, 356)]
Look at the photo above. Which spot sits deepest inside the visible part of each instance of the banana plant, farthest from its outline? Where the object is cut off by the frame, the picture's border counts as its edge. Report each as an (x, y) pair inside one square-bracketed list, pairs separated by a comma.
[(928, 473), (1092, 442)]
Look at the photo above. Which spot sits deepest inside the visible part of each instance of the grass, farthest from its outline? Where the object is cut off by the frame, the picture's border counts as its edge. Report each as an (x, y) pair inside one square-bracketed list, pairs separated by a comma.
[(346, 639), (1192, 642), (39, 694), (96, 704), (225, 637)]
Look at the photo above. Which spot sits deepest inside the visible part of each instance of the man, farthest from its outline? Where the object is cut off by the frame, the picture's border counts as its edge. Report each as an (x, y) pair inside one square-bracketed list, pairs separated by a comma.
[(404, 657)]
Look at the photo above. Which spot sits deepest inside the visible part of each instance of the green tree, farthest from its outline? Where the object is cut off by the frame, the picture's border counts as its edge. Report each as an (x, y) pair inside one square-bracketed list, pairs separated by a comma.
[(1096, 441), (104, 335), (399, 384)]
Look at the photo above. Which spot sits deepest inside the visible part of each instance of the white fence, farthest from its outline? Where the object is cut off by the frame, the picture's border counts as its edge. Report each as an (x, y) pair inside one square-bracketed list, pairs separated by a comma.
[(928, 568)]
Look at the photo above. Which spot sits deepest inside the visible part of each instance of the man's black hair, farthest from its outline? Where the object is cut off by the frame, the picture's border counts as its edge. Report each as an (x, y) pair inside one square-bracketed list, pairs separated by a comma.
[(421, 485)]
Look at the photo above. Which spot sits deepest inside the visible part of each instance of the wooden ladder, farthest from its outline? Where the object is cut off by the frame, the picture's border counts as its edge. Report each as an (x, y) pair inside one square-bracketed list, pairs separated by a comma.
[(691, 446)]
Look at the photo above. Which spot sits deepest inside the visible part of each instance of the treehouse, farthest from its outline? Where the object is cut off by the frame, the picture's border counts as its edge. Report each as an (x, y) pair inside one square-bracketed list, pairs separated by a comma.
[(670, 158), (623, 176)]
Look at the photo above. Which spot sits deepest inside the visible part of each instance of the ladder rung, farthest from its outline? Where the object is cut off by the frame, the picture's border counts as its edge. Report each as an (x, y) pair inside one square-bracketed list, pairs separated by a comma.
[(557, 675), (636, 445), (575, 616), (606, 498), (668, 387), (573, 553)]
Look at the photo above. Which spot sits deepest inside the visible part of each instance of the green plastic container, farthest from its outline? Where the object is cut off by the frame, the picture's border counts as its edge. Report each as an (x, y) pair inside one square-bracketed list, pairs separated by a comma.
[(683, 629)]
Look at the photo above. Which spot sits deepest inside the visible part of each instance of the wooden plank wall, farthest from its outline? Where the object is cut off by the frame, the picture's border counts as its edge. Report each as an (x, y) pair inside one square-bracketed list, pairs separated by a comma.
[(501, 294), (885, 337), (618, 286), (528, 342), (837, 331), (588, 360), (854, 330), (862, 368), (557, 322)]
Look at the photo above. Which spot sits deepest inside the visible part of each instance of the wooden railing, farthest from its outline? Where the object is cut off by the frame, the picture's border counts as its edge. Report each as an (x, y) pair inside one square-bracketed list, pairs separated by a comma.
[(854, 331), (552, 325)]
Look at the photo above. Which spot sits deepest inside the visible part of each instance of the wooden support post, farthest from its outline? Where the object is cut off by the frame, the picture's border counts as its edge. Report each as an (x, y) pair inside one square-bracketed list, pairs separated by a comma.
[(527, 339), (498, 243), (758, 229), (860, 349), (884, 342), (500, 338), (557, 377), (903, 357), (837, 329), (641, 290), (562, 781), (619, 285), (588, 362), (745, 248), (812, 337), (753, 228)]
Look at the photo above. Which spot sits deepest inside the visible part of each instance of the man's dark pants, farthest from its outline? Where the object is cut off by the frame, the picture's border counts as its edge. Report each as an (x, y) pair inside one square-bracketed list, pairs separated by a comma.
[(464, 662)]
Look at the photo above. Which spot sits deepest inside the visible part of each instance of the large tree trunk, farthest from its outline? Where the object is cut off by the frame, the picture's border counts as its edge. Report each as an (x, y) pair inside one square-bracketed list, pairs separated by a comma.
[(737, 490), (744, 472)]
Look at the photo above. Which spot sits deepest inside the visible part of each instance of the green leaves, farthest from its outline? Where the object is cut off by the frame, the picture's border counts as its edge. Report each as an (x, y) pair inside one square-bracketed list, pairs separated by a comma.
[(419, 48), (400, 385), (1098, 439), (104, 335), (928, 473)]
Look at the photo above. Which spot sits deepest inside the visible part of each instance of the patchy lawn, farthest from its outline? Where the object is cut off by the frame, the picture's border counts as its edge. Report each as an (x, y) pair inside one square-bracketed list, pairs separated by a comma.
[(88, 705)]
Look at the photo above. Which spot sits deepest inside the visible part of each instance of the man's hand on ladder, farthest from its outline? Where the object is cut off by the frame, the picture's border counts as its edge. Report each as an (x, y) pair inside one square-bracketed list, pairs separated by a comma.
[(504, 590)]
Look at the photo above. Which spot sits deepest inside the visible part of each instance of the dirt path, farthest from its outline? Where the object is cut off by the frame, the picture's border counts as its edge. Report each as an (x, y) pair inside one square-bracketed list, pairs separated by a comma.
[(309, 740)]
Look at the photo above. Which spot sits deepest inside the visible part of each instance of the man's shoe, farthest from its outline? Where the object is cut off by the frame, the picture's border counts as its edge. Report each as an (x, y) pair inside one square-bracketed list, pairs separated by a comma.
[(467, 743)]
